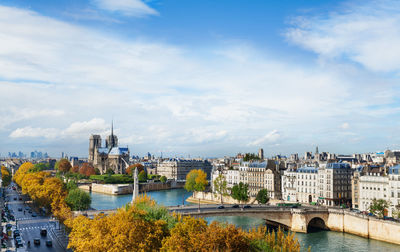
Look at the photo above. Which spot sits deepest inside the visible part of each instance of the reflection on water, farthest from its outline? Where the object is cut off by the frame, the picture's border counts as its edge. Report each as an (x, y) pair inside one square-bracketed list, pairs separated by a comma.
[(172, 197), (319, 241)]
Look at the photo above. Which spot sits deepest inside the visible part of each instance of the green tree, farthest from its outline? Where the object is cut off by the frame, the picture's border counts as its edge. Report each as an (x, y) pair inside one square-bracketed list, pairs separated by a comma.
[(39, 167), (110, 171), (378, 207), (63, 165), (97, 171), (142, 176), (250, 156), (71, 185), (220, 186), (262, 196), (163, 179), (196, 181), (78, 200), (5, 176), (240, 192)]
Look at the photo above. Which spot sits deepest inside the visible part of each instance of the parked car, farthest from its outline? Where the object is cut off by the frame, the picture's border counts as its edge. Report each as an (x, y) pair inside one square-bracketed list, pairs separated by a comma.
[(20, 209), (247, 206), (34, 214), (49, 243), (18, 243), (235, 206), (43, 231), (30, 211), (220, 207), (16, 233), (36, 241)]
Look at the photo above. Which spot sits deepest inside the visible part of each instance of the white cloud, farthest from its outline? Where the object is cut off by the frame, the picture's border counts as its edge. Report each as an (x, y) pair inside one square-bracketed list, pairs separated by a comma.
[(270, 137), (86, 128), (365, 32), (345, 125), (126, 7), (34, 132), (165, 97)]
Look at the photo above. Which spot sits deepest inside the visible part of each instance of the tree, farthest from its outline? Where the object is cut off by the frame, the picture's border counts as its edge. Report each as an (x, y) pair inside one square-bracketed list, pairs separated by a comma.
[(97, 171), (131, 168), (110, 171), (5, 176), (39, 167), (63, 165), (163, 179), (87, 170), (71, 185), (75, 169), (196, 181), (78, 200), (250, 156), (262, 196), (142, 176), (240, 192), (220, 186), (378, 207)]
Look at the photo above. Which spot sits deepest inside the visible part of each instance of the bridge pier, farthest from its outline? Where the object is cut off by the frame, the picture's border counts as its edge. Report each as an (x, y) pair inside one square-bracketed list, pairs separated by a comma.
[(299, 221)]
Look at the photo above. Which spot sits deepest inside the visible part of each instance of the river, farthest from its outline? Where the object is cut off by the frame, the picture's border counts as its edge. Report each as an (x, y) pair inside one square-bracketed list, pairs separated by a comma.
[(319, 241)]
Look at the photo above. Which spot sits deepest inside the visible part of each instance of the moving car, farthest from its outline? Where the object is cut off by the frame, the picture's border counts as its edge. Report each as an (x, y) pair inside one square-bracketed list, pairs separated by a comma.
[(220, 207), (247, 206), (36, 241), (20, 209), (235, 206), (43, 231)]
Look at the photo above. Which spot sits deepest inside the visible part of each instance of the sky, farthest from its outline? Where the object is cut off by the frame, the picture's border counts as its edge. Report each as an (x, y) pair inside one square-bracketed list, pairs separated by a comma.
[(200, 78)]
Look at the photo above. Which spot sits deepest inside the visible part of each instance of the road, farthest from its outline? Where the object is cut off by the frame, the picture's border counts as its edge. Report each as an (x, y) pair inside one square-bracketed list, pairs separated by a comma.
[(30, 226)]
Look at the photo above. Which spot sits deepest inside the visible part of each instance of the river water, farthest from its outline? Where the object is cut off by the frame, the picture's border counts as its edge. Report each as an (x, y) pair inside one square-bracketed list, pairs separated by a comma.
[(319, 241)]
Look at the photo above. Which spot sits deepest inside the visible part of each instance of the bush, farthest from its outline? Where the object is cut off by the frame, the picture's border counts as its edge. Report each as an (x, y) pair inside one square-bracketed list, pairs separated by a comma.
[(113, 179), (78, 200), (163, 179)]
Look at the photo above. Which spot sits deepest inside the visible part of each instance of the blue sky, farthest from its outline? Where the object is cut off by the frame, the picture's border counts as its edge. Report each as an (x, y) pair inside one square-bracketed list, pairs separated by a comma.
[(200, 78)]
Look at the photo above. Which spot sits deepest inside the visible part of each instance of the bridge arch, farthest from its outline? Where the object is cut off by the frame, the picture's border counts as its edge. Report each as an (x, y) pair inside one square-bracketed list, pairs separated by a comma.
[(315, 224)]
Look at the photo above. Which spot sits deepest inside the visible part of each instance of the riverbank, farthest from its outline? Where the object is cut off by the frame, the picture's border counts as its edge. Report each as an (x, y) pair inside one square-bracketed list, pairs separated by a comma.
[(123, 189), (211, 198), (333, 219)]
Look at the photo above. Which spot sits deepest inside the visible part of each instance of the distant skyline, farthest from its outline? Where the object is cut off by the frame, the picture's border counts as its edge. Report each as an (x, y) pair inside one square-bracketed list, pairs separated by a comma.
[(200, 78)]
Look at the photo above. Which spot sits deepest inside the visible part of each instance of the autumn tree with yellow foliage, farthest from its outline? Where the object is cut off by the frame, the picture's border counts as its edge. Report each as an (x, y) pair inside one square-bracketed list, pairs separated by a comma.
[(45, 190), (146, 226)]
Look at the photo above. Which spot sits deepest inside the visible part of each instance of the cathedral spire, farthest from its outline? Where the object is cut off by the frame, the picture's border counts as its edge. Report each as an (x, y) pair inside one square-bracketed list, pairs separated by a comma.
[(112, 127)]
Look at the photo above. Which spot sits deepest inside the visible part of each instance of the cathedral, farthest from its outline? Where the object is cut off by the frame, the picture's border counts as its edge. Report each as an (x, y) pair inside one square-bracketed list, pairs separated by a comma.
[(109, 157)]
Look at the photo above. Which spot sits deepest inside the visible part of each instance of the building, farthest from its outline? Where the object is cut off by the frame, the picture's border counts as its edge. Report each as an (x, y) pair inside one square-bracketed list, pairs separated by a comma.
[(261, 154), (177, 169), (262, 175), (289, 185), (372, 185), (307, 184), (232, 177), (394, 189), (109, 157), (327, 185), (335, 184)]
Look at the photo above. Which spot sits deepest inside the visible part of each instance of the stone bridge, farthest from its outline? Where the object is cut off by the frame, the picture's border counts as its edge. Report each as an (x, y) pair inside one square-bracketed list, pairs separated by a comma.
[(298, 219)]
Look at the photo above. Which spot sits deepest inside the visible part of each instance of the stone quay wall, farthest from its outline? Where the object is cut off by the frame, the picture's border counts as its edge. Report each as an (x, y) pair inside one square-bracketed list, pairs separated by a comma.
[(120, 189), (365, 226)]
